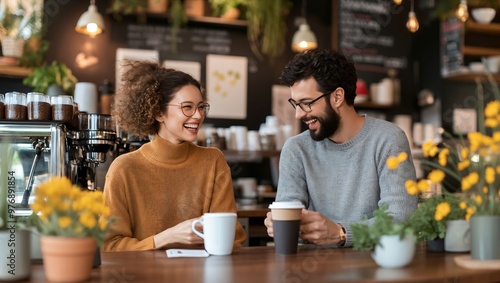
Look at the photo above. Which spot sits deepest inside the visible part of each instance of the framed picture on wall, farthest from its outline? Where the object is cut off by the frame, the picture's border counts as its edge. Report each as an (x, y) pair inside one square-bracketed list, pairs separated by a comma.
[(227, 86)]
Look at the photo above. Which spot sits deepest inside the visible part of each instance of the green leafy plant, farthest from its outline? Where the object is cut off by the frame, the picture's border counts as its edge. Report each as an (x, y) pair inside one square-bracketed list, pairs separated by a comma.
[(267, 26), (129, 7), (57, 73), (219, 7), (367, 236), (429, 220)]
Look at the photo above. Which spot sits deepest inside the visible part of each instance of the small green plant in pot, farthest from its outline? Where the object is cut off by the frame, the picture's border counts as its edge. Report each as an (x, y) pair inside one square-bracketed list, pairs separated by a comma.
[(431, 216), (55, 74), (393, 244)]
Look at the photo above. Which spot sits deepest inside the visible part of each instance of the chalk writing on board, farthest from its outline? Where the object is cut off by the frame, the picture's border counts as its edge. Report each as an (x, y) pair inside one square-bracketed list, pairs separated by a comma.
[(368, 32), (199, 40), (452, 41)]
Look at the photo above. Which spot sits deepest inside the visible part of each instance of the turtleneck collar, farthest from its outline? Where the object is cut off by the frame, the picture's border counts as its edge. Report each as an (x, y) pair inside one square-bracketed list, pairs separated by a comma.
[(164, 151)]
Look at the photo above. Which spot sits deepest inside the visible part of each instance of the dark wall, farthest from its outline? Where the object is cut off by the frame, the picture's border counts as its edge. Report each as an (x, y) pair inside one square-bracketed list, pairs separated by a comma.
[(66, 44)]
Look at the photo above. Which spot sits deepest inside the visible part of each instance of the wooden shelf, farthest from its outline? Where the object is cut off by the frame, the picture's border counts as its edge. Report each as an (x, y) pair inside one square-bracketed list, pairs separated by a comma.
[(492, 28), (470, 77), (480, 51), (14, 71), (218, 21), (204, 20)]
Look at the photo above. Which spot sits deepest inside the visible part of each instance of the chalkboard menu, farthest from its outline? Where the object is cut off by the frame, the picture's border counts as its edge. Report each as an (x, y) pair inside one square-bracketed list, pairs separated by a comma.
[(452, 41), (374, 35)]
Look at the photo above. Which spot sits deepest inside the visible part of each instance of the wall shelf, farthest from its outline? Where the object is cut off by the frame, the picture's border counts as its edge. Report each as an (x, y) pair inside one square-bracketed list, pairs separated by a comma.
[(470, 77), (480, 51), (14, 71), (492, 28)]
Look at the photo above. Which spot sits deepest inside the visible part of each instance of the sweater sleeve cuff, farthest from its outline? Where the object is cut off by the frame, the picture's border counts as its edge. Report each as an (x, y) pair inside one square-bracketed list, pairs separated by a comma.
[(348, 231)]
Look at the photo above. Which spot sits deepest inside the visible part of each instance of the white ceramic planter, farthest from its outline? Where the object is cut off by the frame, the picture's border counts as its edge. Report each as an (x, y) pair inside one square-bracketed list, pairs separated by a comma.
[(15, 261), (392, 252), (457, 237)]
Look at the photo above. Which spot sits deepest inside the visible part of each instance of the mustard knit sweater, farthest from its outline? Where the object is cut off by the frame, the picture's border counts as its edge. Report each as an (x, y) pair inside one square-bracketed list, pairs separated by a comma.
[(162, 184)]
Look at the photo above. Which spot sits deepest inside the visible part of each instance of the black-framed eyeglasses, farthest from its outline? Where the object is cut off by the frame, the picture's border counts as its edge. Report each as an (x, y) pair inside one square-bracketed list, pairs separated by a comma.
[(189, 108), (306, 106)]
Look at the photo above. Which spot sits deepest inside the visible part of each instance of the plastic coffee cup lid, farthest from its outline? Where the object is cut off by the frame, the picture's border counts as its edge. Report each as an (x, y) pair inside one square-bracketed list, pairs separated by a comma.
[(286, 205)]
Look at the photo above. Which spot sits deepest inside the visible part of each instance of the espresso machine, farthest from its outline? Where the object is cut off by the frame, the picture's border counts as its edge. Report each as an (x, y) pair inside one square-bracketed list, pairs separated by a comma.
[(42, 149)]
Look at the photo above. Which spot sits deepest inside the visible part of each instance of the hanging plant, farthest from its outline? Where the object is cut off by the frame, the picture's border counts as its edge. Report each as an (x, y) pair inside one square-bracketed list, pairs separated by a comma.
[(267, 26)]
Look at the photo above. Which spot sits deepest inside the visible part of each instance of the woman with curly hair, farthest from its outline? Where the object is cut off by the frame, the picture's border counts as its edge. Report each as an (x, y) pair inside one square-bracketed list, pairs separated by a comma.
[(157, 191)]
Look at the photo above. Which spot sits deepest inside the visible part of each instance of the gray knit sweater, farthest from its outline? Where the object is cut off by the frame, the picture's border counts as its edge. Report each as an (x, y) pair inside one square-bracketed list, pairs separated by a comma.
[(346, 182)]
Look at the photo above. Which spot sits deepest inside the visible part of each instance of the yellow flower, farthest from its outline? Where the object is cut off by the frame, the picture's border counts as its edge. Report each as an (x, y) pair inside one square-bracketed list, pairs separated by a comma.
[(491, 123), (64, 221), (66, 210), (492, 109), (436, 176), (443, 157), (478, 199), (411, 187), (423, 185), (429, 149), (496, 137), (464, 153), (392, 162), (489, 175), (463, 205), (88, 220), (442, 210), (402, 157), (463, 165)]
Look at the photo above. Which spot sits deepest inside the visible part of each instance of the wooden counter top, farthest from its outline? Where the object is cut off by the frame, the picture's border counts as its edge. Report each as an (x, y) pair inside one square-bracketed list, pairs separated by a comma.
[(260, 264)]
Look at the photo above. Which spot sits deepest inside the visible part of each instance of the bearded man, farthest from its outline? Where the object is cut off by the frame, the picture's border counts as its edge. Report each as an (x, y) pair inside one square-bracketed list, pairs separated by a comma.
[(337, 168)]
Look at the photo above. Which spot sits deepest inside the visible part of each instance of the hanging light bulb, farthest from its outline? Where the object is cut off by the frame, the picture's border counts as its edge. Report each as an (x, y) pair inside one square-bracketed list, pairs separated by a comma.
[(462, 12), (304, 38), (397, 2), (90, 22), (412, 23)]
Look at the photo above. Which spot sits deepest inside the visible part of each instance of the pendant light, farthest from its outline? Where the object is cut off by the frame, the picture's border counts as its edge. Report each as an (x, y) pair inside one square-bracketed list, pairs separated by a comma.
[(412, 23), (462, 12), (397, 2), (90, 22), (304, 39)]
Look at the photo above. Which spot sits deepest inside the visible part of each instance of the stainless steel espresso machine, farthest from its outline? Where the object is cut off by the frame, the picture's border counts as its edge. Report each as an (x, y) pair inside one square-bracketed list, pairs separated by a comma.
[(45, 149), (39, 150)]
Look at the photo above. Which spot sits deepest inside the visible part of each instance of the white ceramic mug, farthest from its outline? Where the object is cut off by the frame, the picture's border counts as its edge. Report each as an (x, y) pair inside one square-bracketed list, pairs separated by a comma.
[(219, 229)]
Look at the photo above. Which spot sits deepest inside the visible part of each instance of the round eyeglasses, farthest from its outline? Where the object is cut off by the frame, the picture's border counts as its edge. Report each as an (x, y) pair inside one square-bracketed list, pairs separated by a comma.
[(189, 108), (306, 106)]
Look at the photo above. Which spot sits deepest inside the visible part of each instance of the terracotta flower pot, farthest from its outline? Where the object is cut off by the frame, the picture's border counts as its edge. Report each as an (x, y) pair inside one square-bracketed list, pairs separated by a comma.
[(67, 259)]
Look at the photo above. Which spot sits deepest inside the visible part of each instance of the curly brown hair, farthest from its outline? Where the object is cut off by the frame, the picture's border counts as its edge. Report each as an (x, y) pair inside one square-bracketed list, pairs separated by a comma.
[(147, 88)]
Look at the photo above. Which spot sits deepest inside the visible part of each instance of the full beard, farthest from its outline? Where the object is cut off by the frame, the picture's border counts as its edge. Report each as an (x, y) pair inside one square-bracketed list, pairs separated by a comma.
[(328, 125)]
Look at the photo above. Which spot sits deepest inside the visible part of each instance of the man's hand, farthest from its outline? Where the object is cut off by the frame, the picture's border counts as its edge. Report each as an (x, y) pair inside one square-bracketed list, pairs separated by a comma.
[(269, 224), (317, 229)]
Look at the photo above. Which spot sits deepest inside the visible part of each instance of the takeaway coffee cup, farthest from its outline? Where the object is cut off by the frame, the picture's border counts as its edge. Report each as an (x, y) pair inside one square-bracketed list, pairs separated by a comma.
[(219, 229), (286, 224)]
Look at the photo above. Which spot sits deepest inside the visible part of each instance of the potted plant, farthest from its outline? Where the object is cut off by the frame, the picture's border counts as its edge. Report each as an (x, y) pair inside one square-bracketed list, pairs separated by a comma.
[(431, 218), (129, 7), (474, 163), (227, 9), (392, 244), (72, 222), (45, 78), (14, 21), (267, 26)]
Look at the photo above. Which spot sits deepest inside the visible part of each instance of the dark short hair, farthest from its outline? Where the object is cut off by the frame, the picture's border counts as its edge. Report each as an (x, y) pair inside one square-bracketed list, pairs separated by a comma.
[(329, 68)]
